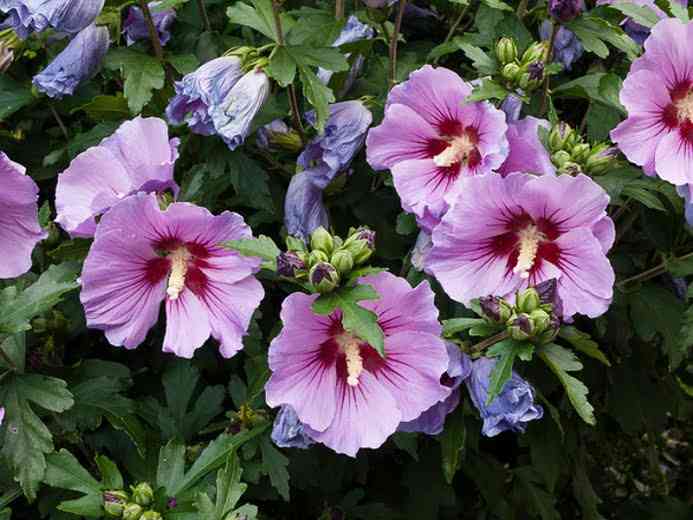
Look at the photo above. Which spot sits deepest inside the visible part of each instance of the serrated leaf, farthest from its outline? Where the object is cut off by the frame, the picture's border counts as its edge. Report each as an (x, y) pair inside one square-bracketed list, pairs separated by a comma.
[(183, 63), (644, 196), (259, 17), (282, 66), (506, 351), (108, 108), (111, 477), (583, 342), (488, 89), (452, 443), (261, 247), (679, 11), (328, 303), (13, 96), (329, 58), (454, 326), (65, 472), (641, 14), (482, 62), (498, 4), (143, 74), (317, 95), (96, 398), (274, 464), (593, 32)]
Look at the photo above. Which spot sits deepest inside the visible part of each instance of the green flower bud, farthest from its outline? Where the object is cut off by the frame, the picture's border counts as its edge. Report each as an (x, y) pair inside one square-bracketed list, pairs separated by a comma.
[(571, 168), (528, 300), (559, 135), (342, 261), (506, 50), (150, 515), (495, 309), (580, 152), (550, 332), (317, 256), (321, 240), (324, 277), (361, 245), (142, 494), (295, 244), (132, 512), (535, 52), (290, 141), (541, 320), (521, 327), (601, 158), (525, 80), (510, 71), (560, 158), (114, 502)]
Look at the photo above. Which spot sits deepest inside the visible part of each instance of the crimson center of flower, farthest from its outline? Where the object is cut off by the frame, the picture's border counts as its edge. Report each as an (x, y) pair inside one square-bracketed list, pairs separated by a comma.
[(528, 240), (179, 259), (458, 150), (351, 348)]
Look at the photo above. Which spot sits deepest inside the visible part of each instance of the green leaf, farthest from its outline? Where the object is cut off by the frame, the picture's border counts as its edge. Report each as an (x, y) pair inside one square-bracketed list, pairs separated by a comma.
[(110, 474), (406, 224), (497, 4), (18, 309), (183, 63), (561, 361), (644, 195), (13, 96), (456, 325), (593, 32), (171, 469), (274, 465), (601, 87), (259, 17), (328, 303), (452, 443), (330, 58), (528, 490), (98, 398), (106, 108), (261, 247), (317, 95), (679, 11), (641, 14), (74, 250), (680, 267), (489, 89), (482, 62), (282, 66), (90, 138), (65, 472), (583, 342), (143, 74), (506, 351)]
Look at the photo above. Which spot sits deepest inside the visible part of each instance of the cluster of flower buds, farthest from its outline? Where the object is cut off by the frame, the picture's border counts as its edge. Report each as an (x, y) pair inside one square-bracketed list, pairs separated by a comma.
[(120, 504), (251, 57), (526, 72), (328, 258), (8, 43), (571, 154), (535, 316)]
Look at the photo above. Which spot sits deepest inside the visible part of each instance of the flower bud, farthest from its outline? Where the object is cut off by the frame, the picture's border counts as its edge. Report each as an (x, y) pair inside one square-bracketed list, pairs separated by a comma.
[(559, 135), (528, 300), (535, 52), (536, 71), (524, 81), (132, 512), (550, 332), (324, 277), (541, 320), (150, 515), (321, 240), (342, 261), (361, 244), (521, 328), (565, 10), (495, 309), (560, 158), (601, 157), (288, 263), (295, 244), (317, 256), (142, 494), (506, 50), (580, 152), (510, 71), (114, 502)]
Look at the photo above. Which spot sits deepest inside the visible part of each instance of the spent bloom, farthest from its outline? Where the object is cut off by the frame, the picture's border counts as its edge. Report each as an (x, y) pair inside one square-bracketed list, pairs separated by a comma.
[(19, 227), (142, 255), (323, 158), (201, 90), (565, 10), (288, 431), (658, 95), (432, 421), (135, 27), (638, 32), (138, 157), (527, 153), (346, 395), (431, 139), (32, 16), (507, 233), (567, 49), (77, 62), (511, 410), (234, 114)]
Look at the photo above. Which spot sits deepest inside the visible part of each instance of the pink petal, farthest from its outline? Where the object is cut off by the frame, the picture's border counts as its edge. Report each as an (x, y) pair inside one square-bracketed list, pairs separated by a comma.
[(422, 186), (605, 231), (527, 153), (637, 137), (668, 52), (191, 223), (674, 159), (187, 325)]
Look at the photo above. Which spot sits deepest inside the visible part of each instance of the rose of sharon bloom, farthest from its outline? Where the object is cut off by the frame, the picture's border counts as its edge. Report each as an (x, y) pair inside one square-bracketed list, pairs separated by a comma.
[(432, 421), (19, 227), (138, 157), (77, 62), (344, 393), (507, 233), (511, 410), (142, 256), (135, 27), (527, 153), (658, 94), (431, 139), (67, 16)]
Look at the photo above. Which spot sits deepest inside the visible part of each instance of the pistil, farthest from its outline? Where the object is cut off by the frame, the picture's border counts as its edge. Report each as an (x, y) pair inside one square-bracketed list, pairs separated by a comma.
[(179, 268), (352, 351), (457, 151), (529, 239)]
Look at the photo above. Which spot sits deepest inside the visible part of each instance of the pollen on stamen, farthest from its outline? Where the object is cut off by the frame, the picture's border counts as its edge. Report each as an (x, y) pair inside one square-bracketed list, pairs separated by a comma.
[(458, 150), (684, 107), (529, 239), (179, 268), (354, 363)]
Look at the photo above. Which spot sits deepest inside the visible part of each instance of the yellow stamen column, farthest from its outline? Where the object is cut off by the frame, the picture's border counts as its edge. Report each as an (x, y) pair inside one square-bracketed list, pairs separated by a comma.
[(179, 268), (529, 240)]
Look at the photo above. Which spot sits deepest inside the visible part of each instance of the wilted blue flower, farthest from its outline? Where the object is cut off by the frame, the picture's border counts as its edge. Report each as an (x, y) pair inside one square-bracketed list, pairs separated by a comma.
[(566, 10), (266, 133), (200, 90), (567, 49), (512, 106), (353, 31), (78, 62), (432, 420), (323, 158), (234, 115), (30, 16), (135, 27), (511, 409), (288, 431)]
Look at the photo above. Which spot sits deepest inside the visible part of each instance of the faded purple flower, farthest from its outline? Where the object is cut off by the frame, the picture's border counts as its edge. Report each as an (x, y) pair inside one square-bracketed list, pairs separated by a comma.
[(32, 16), (566, 10), (142, 256), (200, 90), (511, 410), (638, 32), (288, 431), (432, 421), (504, 234), (265, 134), (512, 107), (288, 263), (567, 49), (431, 139), (135, 27), (77, 62), (527, 153), (19, 227), (324, 157), (346, 395), (658, 95), (233, 115), (138, 157)]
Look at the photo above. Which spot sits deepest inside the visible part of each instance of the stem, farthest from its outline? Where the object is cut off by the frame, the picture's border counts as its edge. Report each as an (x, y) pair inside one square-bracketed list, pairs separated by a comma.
[(456, 23), (522, 9), (394, 40), (490, 341), (547, 60), (205, 16), (154, 38), (8, 361), (60, 121), (650, 273), (293, 97), (339, 9)]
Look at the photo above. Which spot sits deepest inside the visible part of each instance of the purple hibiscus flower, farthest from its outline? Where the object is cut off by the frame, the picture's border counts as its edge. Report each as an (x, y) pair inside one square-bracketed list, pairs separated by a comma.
[(567, 49), (344, 393), (142, 256), (431, 139), (77, 62), (135, 27), (507, 233), (32, 16), (527, 153), (432, 421), (19, 227), (658, 95), (511, 410), (138, 157)]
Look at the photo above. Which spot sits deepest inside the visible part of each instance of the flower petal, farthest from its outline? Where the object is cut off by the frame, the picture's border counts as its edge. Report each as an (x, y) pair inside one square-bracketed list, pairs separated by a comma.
[(187, 325)]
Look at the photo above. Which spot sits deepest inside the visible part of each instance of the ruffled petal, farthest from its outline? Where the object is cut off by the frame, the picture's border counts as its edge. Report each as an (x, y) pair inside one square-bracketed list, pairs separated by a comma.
[(674, 159), (187, 325)]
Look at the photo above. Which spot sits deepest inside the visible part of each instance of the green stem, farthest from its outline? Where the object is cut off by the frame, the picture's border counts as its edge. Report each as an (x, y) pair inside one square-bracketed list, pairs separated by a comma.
[(339, 9), (59, 120), (547, 60), (394, 40), (154, 38), (650, 273), (204, 15), (490, 341)]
